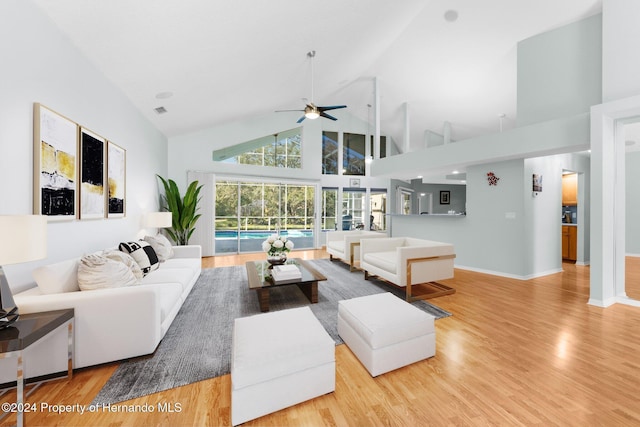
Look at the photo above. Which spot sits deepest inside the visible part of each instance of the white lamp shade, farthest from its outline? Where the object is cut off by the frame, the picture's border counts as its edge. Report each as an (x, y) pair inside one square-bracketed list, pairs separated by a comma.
[(23, 238), (158, 220)]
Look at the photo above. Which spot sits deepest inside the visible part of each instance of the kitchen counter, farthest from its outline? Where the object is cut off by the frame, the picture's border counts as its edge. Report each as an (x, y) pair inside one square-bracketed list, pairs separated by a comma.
[(570, 224)]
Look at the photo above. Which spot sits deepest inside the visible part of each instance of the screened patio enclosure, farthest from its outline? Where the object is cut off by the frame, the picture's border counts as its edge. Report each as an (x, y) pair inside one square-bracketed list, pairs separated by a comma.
[(246, 213)]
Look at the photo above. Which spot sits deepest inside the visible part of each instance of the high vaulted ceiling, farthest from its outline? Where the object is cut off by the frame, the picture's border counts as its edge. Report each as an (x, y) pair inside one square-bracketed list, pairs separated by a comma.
[(229, 60)]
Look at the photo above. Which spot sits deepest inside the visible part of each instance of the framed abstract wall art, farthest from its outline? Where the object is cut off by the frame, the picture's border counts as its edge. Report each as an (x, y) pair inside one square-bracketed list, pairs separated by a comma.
[(55, 161), (445, 197), (92, 175), (116, 180)]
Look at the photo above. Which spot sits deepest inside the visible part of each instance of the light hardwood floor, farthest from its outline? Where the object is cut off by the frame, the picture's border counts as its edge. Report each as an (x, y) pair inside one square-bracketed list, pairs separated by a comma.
[(513, 353)]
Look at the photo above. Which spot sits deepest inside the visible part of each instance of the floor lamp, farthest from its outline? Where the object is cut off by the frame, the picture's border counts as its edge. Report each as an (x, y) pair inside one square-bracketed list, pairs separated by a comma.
[(23, 238)]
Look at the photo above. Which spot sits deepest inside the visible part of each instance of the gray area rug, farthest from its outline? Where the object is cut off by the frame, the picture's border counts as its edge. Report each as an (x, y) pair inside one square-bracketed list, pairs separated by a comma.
[(197, 346)]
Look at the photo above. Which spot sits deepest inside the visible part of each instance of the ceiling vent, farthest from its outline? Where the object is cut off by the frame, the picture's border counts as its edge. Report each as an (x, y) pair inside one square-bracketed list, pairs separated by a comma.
[(160, 110)]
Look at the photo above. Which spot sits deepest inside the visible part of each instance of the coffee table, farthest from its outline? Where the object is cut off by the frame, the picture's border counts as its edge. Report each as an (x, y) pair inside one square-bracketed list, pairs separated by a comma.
[(260, 279)]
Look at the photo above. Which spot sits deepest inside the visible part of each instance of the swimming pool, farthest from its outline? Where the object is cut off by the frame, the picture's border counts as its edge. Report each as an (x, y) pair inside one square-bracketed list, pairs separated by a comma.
[(262, 235), (251, 241)]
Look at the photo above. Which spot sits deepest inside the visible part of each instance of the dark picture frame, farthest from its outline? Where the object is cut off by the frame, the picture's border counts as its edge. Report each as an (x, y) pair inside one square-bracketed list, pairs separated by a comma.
[(536, 183), (445, 197), (92, 175)]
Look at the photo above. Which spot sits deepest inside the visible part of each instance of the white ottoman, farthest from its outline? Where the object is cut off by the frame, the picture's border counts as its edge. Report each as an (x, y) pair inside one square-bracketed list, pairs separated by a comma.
[(385, 332), (279, 359)]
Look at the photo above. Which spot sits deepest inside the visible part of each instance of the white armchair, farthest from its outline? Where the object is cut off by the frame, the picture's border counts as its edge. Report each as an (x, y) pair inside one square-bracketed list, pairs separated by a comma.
[(406, 261), (345, 245)]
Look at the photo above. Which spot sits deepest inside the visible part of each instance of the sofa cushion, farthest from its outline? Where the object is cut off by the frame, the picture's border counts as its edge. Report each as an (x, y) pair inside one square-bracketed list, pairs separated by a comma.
[(99, 272), (143, 253), (58, 277), (170, 275), (193, 264), (161, 245), (337, 245), (384, 260)]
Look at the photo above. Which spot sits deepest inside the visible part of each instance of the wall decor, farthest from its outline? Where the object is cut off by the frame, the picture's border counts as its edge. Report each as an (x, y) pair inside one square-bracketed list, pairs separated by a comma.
[(445, 197), (116, 180), (55, 154), (354, 182), (492, 178), (537, 183), (92, 175)]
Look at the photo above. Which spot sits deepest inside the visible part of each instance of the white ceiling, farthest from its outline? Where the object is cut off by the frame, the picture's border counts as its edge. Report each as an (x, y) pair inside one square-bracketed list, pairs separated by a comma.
[(233, 59)]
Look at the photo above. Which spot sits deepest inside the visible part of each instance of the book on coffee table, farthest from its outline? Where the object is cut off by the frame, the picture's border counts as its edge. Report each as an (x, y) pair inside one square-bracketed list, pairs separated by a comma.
[(286, 272)]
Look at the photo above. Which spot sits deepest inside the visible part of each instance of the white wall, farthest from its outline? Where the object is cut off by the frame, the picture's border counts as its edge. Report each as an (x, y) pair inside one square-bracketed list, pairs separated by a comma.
[(39, 64), (485, 240), (560, 72), (632, 215), (508, 231), (620, 63)]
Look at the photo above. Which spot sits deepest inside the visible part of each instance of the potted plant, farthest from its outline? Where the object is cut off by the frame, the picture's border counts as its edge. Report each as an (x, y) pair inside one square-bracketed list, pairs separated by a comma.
[(184, 209), (276, 247)]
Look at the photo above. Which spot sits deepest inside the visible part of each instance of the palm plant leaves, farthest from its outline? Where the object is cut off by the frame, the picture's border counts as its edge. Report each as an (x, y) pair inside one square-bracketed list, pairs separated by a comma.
[(183, 208)]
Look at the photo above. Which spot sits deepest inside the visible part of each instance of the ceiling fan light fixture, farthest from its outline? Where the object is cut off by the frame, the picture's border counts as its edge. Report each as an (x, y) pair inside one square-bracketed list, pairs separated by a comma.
[(311, 112)]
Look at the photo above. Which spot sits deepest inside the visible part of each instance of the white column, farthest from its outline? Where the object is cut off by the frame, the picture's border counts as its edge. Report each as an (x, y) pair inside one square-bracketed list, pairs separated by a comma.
[(376, 120), (406, 142)]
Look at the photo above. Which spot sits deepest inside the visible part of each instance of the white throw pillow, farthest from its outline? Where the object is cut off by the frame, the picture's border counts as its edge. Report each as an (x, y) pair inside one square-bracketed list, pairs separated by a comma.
[(161, 245), (126, 259), (143, 253), (99, 272), (57, 278)]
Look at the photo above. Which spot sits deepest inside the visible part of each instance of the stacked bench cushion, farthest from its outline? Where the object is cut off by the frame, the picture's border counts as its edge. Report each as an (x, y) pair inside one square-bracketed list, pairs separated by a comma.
[(385, 332), (279, 359)]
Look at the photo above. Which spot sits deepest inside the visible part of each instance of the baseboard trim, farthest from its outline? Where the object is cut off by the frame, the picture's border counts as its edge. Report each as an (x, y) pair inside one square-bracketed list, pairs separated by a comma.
[(508, 275), (600, 303)]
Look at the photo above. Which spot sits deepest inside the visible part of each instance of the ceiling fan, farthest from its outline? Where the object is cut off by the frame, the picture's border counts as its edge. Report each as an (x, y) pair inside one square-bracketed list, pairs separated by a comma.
[(312, 111)]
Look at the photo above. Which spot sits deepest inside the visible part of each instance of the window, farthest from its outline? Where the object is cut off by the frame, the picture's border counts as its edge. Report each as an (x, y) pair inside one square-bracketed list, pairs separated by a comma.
[(383, 147), (282, 150), (330, 153), (329, 209), (353, 209), (353, 154), (378, 209)]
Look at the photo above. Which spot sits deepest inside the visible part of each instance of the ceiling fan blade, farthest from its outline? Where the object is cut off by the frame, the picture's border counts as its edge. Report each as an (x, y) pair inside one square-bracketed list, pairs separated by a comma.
[(326, 116), (331, 107), (301, 119), (284, 111)]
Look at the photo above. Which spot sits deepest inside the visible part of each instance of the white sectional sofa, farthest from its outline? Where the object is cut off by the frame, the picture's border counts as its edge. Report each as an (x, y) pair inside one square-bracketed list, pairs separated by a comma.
[(115, 323), (406, 261), (345, 245)]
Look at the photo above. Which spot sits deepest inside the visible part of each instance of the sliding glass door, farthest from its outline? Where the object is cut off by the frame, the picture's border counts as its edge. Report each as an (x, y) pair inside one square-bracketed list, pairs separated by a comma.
[(248, 212)]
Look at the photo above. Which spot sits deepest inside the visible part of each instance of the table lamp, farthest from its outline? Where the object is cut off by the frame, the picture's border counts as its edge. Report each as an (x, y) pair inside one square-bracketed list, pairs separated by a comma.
[(23, 238), (158, 220)]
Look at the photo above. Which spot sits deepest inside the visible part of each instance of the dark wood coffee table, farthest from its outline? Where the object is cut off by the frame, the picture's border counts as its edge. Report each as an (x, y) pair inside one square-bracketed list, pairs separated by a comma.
[(260, 279)]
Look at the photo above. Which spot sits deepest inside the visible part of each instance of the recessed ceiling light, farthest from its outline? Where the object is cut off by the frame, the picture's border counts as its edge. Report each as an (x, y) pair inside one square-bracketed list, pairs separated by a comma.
[(454, 172), (164, 95), (419, 177), (451, 15)]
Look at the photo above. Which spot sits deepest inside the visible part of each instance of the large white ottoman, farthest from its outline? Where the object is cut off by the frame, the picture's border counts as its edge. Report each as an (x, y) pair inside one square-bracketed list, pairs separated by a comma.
[(279, 359), (385, 332)]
